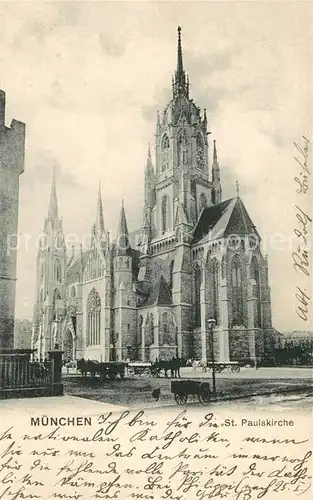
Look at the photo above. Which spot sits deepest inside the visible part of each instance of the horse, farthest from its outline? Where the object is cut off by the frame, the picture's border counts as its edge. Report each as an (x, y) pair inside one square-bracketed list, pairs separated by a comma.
[(172, 365)]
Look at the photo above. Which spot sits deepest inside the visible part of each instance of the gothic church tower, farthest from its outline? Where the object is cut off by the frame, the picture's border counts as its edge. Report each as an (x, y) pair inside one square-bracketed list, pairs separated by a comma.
[(50, 289)]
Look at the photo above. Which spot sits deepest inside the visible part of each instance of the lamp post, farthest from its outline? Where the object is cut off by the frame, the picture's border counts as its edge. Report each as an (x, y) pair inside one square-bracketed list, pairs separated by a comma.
[(211, 324)]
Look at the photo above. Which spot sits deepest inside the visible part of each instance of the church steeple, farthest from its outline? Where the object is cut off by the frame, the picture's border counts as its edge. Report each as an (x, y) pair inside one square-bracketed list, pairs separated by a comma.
[(99, 216), (53, 204), (216, 177), (122, 243), (181, 85)]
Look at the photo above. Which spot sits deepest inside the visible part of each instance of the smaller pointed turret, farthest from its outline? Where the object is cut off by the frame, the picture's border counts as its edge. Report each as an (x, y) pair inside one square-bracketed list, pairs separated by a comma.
[(53, 204), (205, 120), (216, 178), (99, 216), (149, 160), (215, 165), (149, 181), (214, 153), (158, 122), (122, 243)]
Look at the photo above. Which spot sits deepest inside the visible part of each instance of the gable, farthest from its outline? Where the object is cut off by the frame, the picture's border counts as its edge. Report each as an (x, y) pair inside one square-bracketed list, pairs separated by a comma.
[(223, 219)]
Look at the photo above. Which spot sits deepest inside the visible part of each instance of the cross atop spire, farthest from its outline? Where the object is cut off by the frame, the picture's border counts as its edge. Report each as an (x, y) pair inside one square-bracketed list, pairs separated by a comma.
[(99, 216), (237, 188), (53, 204), (180, 86)]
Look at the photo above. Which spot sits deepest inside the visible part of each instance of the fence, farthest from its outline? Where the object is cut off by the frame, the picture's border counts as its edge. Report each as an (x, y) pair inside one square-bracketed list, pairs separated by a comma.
[(20, 377)]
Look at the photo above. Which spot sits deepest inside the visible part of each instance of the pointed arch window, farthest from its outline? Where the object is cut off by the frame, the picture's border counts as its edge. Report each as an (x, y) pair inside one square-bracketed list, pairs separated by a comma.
[(139, 338), (171, 274), (255, 275), (215, 290), (57, 271), (149, 331), (213, 196), (237, 290), (93, 318), (197, 295), (203, 202), (182, 149), (200, 151), (165, 329), (41, 300), (164, 209), (165, 146), (56, 297)]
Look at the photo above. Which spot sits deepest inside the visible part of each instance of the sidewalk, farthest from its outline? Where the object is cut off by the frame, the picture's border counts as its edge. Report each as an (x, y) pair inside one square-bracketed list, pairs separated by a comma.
[(55, 406)]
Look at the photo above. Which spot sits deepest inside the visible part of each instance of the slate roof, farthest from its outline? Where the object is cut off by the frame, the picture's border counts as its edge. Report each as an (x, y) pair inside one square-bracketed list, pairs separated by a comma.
[(160, 294), (223, 219), (73, 271)]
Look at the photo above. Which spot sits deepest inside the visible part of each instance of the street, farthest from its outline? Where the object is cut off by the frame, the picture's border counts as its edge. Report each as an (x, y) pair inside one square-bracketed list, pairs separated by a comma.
[(136, 392)]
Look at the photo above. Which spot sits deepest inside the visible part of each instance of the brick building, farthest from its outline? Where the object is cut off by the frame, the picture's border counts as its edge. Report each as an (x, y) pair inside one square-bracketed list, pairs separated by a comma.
[(12, 145), (197, 257)]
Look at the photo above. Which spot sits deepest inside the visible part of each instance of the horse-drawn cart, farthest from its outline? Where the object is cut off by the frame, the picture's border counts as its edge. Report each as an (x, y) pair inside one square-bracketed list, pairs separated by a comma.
[(220, 366), (110, 370), (139, 368), (183, 388)]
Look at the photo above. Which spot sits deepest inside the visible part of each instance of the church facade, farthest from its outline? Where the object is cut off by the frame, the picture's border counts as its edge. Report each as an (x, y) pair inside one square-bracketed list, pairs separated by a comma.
[(197, 257)]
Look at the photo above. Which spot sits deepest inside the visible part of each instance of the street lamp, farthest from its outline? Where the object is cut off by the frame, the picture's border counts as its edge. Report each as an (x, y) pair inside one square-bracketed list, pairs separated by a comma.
[(211, 325)]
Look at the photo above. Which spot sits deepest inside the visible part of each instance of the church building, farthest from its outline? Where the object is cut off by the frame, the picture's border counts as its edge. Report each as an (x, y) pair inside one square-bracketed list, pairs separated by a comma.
[(197, 257)]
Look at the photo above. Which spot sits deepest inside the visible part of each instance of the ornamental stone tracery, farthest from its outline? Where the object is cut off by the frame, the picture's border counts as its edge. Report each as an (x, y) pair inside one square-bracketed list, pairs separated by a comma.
[(94, 302)]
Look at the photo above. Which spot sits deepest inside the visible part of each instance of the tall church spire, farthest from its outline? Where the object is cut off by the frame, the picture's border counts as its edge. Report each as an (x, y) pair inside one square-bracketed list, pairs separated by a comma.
[(122, 243), (53, 204), (99, 217), (180, 85), (214, 153), (180, 67)]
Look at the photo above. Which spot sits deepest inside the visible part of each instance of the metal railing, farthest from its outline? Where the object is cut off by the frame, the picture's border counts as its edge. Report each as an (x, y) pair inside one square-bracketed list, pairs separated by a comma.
[(18, 372)]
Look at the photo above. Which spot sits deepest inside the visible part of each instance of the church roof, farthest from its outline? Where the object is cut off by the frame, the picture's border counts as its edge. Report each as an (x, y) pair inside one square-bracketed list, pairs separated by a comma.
[(223, 219), (160, 294), (74, 270)]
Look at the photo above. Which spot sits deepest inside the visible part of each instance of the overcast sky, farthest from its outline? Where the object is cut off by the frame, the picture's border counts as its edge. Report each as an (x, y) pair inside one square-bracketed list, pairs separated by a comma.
[(88, 78)]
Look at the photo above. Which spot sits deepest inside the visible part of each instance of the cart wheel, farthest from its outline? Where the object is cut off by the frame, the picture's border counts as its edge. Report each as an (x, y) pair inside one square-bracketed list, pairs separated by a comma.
[(234, 369), (180, 398), (204, 397)]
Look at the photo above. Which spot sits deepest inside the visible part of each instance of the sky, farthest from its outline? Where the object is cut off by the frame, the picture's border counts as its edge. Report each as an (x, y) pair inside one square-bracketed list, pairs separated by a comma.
[(87, 78)]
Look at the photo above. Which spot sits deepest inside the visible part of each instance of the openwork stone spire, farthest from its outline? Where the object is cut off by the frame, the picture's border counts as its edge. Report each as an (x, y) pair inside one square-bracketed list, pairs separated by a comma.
[(181, 84)]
